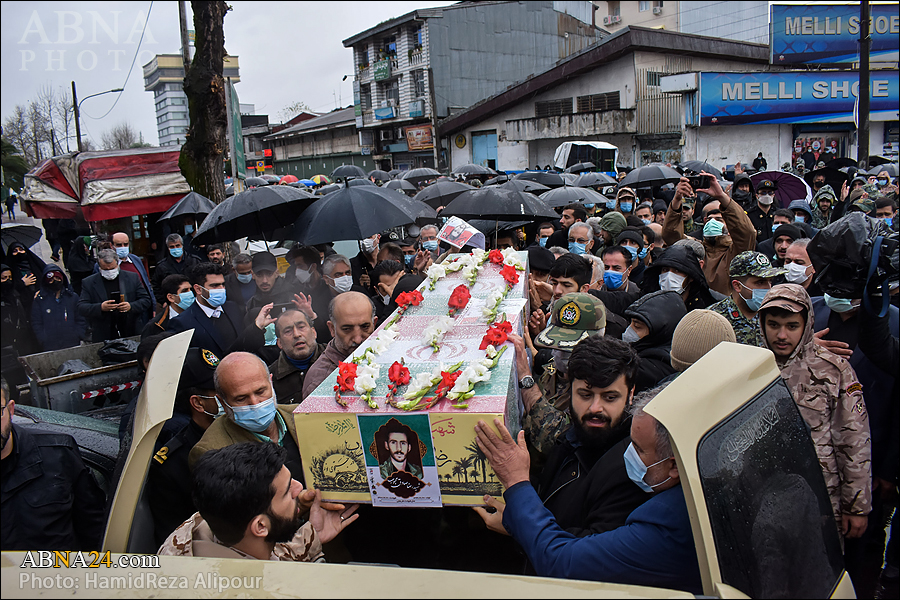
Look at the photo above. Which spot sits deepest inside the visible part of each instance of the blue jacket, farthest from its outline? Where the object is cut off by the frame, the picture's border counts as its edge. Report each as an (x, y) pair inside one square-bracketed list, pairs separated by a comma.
[(655, 547), (56, 322)]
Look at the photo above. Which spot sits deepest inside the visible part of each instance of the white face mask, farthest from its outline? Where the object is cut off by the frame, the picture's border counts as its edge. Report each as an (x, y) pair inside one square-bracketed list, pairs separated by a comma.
[(765, 199), (110, 274), (630, 335), (368, 245), (796, 273), (303, 275), (343, 284), (671, 282)]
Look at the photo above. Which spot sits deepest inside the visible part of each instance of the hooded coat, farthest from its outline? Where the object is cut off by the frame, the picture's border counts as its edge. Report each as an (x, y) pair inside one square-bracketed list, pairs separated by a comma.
[(56, 322), (30, 263), (660, 312), (747, 203), (683, 259), (819, 219), (804, 206), (830, 399)]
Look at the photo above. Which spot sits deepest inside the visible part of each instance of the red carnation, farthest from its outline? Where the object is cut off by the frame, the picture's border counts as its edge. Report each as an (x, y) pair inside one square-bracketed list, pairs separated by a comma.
[(496, 257), (509, 273)]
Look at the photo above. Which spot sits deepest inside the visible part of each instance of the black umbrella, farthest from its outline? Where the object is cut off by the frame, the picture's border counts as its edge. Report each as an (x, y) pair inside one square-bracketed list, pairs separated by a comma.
[(698, 166), (548, 178), (650, 176), (489, 226), (379, 175), (593, 180), (498, 180), (420, 174), (875, 161), (255, 182), (355, 213), (27, 235), (394, 172), (255, 213), (473, 170), (192, 204), (442, 193), (570, 194), (840, 163), (229, 191), (400, 184), (581, 167), (272, 179), (891, 169), (346, 171), (327, 189), (494, 202), (358, 182), (833, 177), (524, 185)]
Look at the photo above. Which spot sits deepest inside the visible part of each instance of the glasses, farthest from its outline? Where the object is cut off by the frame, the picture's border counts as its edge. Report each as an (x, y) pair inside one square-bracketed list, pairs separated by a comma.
[(579, 240)]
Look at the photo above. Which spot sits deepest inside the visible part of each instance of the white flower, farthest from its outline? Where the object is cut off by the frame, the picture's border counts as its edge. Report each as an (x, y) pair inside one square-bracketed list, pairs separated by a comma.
[(436, 271), (468, 378), (511, 257), (366, 378), (487, 362), (478, 254), (435, 332), (423, 381), (380, 345), (490, 351)]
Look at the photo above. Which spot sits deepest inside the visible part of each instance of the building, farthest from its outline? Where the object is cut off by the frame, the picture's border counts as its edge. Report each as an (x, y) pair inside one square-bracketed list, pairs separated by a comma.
[(255, 130), (164, 76), (743, 20), (422, 66)]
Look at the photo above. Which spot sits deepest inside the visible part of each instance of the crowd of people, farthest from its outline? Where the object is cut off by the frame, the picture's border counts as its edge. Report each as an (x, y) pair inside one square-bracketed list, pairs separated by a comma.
[(623, 298)]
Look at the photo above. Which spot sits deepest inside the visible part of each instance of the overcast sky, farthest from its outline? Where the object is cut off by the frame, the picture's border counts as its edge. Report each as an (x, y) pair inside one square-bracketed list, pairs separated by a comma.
[(288, 51)]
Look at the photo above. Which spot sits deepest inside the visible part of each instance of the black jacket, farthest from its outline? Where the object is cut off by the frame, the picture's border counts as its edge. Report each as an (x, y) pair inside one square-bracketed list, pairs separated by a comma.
[(93, 294), (762, 221), (681, 258), (233, 289), (50, 499), (168, 266), (57, 322), (280, 293), (661, 312), (208, 336), (169, 482)]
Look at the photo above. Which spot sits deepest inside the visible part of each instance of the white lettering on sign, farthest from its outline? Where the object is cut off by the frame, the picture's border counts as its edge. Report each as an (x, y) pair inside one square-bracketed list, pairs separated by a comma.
[(843, 87), (752, 91), (814, 26), (792, 26), (732, 91), (880, 88), (820, 90)]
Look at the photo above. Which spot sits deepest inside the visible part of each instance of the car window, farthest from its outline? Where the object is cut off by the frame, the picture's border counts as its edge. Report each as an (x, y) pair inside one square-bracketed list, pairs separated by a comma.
[(770, 512)]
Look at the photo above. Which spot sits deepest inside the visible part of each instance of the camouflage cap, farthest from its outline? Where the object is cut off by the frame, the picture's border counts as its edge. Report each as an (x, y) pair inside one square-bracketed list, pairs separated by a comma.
[(574, 318), (754, 264)]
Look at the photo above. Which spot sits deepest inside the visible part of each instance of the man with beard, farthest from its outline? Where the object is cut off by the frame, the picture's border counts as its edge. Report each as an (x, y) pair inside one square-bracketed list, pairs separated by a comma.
[(248, 506), (397, 446), (585, 484)]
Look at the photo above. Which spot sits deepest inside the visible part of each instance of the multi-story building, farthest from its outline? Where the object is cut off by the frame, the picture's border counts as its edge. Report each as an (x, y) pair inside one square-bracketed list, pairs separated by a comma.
[(164, 76), (424, 65)]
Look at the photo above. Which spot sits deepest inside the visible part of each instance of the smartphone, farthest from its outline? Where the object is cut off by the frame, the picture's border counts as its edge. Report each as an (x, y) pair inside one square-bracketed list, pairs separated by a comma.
[(700, 182), (280, 308), (117, 297)]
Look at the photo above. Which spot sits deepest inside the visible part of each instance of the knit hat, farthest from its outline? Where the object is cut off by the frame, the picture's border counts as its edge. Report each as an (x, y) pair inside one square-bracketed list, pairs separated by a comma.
[(697, 333)]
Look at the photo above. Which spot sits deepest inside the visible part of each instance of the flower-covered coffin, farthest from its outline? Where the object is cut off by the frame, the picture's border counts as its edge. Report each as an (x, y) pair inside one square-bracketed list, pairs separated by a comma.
[(395, 424)]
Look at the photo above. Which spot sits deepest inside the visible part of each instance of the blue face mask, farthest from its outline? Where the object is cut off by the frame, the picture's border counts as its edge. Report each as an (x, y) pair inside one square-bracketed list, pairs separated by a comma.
[(642, 254), (430, 245), (543, 242), (632, 251), (646, 221), (713, 228), (889, 221), (255, 417), (838, 305), (626, 206), (189, 229), (756, 299), (122, 252), (216, 297), (589, 206), (774, 227), (244, 277), (637, 470), (611, 204), (799, 219), (613, 279), (185, 299), (176, 252), (576, 248), (408, 259), (219, 412)]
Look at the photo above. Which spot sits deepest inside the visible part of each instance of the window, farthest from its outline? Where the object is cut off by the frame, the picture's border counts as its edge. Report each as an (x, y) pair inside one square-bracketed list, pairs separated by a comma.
[(365, 96), (553, 108), (598, 102), (653, 78), (644, 5), (389, 46), (362, 55), (390, 90), (614, 8), (419, 83)]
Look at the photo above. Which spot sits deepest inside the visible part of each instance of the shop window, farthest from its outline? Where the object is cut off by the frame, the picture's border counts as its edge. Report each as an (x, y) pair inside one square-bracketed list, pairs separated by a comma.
[(598, 102), (553, 108)]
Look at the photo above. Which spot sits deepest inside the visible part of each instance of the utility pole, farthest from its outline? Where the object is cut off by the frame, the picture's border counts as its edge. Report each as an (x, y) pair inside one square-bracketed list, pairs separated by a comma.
[(862, 134), (185, 41), (77, 117)]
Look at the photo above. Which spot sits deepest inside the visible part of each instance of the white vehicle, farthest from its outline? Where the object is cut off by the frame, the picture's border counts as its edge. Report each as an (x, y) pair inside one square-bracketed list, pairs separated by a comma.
[(603, 155)]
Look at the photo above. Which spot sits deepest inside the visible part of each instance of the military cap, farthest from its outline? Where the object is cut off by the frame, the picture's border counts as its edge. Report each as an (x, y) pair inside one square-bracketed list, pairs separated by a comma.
[(766, 184), (753, 263), (574, 318), (198, 369)]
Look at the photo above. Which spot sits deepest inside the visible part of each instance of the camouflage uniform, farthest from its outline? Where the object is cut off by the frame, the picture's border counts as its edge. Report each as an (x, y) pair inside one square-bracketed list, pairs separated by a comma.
[(830, 399), (820, 220), (745, 264), (195, 538)]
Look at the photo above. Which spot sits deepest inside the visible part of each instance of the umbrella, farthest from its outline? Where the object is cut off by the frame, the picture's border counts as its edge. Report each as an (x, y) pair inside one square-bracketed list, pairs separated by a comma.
[(255, 182), (473, 170), (255, 212), (420, 174), (489, 226), (581, 167), (697, 166), (833, 177), (355, 213), (875, 161), (593, 179), (839, 163), (228, 181), (570, 194), (229, 190), (394, 172), (442, 193), (327, 189), (891, 168), (357, 182), (192, 204), (379, 175), (27, 235), (318, 179), (498, 179), (272, 179), (548, 178), (524, 185), (789, 187), (346, 171), (307, 182), (651, 175), (568, 178), (400, 184), (501, 205), (289, 179)]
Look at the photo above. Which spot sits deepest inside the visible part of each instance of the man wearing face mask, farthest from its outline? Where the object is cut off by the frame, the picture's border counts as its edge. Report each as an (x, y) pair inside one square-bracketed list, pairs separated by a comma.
[(128, 261), (114, 302), (763, 214), (654, 547), (633, 241), (725, 235), (179, 298), (251, 412), (338, 275), (176, 261), (799, 268), (362, 264), (306, 280), (169, 476), (803, 214), (678, 270), (625, 201), (385, 277), (653, 320), (239, 285), (571, 214), (581, 238), (55, 318), (752, 276)]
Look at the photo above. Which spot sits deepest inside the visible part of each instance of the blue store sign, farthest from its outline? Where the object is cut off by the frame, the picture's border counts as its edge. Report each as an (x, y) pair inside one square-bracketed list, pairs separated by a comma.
[(794, 97), (829, 33)]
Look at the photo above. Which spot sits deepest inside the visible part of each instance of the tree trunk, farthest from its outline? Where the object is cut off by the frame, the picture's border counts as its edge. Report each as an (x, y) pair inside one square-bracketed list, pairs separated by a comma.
[(201, 156)]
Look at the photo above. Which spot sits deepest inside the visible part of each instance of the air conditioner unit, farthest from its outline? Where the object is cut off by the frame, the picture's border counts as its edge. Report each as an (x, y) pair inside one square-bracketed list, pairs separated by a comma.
[(387, 135), (392, 102), (612, 19), (657, 10)]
